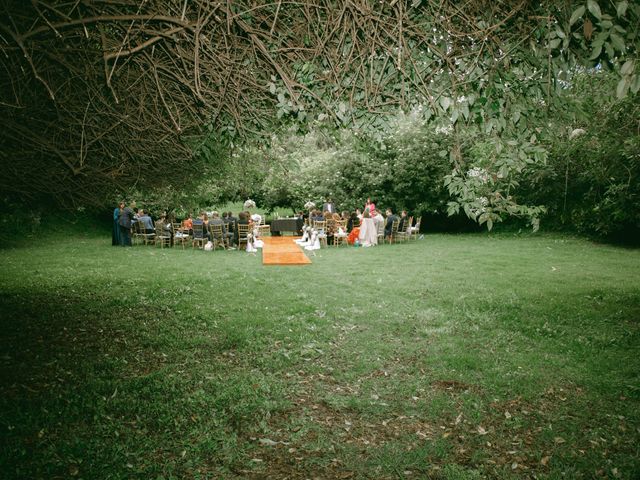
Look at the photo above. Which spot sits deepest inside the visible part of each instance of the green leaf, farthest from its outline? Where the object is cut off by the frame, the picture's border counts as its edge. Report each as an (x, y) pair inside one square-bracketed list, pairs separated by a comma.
[(635, 83), (627, 68), (465, 111), (594, 8), (553, 44), (578, 13), (445, 103), (618, 42), (597, 49), (621, 8), (489, 224), (622, 89), (454, 115)]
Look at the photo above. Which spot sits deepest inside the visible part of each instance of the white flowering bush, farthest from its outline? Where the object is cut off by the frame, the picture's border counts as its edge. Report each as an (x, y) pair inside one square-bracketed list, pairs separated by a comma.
[(249, 204)]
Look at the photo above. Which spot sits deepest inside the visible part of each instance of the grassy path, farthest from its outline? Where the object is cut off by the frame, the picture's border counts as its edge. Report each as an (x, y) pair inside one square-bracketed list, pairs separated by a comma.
[(452, 357)]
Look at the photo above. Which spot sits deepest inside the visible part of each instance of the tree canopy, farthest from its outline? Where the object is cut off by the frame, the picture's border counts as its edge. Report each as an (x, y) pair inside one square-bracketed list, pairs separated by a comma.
[(101, 95)]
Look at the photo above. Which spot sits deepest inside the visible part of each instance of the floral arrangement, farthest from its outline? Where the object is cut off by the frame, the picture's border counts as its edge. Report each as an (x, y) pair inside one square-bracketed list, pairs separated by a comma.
[(249, 204), (309, 205)]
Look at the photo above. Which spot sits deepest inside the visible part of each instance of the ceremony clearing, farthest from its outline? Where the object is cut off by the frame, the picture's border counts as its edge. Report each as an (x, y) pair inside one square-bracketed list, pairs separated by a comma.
[(453, 357), (283, 251)]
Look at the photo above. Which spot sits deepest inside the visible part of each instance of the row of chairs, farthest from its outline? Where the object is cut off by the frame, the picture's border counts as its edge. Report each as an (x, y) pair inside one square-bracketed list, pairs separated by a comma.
[(167, 234), (408, 231)]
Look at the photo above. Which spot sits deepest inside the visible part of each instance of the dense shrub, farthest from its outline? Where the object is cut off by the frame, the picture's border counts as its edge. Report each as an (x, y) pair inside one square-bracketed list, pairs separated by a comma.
[(591, 181)]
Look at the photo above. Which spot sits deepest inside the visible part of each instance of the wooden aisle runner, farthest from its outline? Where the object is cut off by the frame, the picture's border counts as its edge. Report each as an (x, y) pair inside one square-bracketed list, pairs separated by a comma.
[(282, 251)]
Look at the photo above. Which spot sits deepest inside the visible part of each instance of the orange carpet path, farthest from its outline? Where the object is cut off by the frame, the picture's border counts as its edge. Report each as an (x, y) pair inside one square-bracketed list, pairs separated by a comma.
[(282, 251)]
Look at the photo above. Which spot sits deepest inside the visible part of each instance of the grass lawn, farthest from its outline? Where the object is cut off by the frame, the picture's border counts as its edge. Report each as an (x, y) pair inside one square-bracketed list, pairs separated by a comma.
[(452, 357)]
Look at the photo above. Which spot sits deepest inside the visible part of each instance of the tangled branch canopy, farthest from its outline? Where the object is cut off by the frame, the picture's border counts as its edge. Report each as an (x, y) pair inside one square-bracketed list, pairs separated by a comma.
[(100, 95)]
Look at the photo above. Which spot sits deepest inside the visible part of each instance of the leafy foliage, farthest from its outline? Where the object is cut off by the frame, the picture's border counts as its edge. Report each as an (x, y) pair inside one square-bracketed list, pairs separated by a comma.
[(108, 96), (592, 177)]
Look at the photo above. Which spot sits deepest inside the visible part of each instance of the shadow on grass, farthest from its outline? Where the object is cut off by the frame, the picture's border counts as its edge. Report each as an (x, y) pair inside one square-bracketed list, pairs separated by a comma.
[(93, 386)]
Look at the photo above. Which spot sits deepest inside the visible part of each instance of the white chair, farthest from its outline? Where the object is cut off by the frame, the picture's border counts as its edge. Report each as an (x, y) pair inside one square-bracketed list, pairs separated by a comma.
[(415, 230)]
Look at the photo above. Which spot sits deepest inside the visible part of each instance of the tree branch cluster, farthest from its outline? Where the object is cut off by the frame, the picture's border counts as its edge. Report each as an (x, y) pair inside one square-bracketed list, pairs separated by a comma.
[(97, 96)]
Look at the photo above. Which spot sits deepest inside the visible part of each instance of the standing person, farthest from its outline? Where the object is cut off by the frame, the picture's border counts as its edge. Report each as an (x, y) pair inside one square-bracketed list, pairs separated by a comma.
[(328, 206), (368, 234), (115, 236), (370, 205), (353, 221), (124, 221)]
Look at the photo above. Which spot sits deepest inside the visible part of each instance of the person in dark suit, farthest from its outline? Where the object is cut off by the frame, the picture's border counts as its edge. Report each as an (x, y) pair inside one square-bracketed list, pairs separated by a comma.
[(388, 226), (328, 206), (216, 220), (353, 221), (125, 225)]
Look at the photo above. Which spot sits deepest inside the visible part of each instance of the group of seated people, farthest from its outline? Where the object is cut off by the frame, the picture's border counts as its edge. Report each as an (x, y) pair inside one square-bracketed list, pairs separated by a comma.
[(360, 227), (196, 228)]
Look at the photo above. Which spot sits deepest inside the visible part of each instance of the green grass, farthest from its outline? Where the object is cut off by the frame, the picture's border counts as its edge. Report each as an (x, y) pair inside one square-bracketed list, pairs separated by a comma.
[(457, 357)]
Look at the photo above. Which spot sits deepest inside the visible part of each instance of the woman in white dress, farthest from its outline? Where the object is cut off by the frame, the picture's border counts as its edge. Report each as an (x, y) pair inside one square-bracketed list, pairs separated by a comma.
[(368, 232)]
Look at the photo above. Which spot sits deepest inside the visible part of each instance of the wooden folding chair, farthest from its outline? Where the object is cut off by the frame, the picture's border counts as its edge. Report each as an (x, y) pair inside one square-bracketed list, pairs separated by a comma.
[(380, 232), (339, 239), (179, 234), (394, 231), (243, 233), (217, 236), (199, 235), (163, 235)]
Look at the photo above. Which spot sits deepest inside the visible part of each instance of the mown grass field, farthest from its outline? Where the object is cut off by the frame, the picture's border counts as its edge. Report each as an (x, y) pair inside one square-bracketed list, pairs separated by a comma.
[(452, 357)]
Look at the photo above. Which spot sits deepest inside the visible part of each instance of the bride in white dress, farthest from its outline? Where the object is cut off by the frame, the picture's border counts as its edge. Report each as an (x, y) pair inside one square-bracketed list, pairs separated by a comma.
[(368, 231)]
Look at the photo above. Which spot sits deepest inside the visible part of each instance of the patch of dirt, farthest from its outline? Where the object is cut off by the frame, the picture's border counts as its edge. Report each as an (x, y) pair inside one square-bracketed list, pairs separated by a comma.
[(455, 386)]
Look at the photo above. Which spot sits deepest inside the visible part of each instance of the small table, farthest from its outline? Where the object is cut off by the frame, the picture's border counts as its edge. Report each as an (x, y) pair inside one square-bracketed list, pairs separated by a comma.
[(293, 225)]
